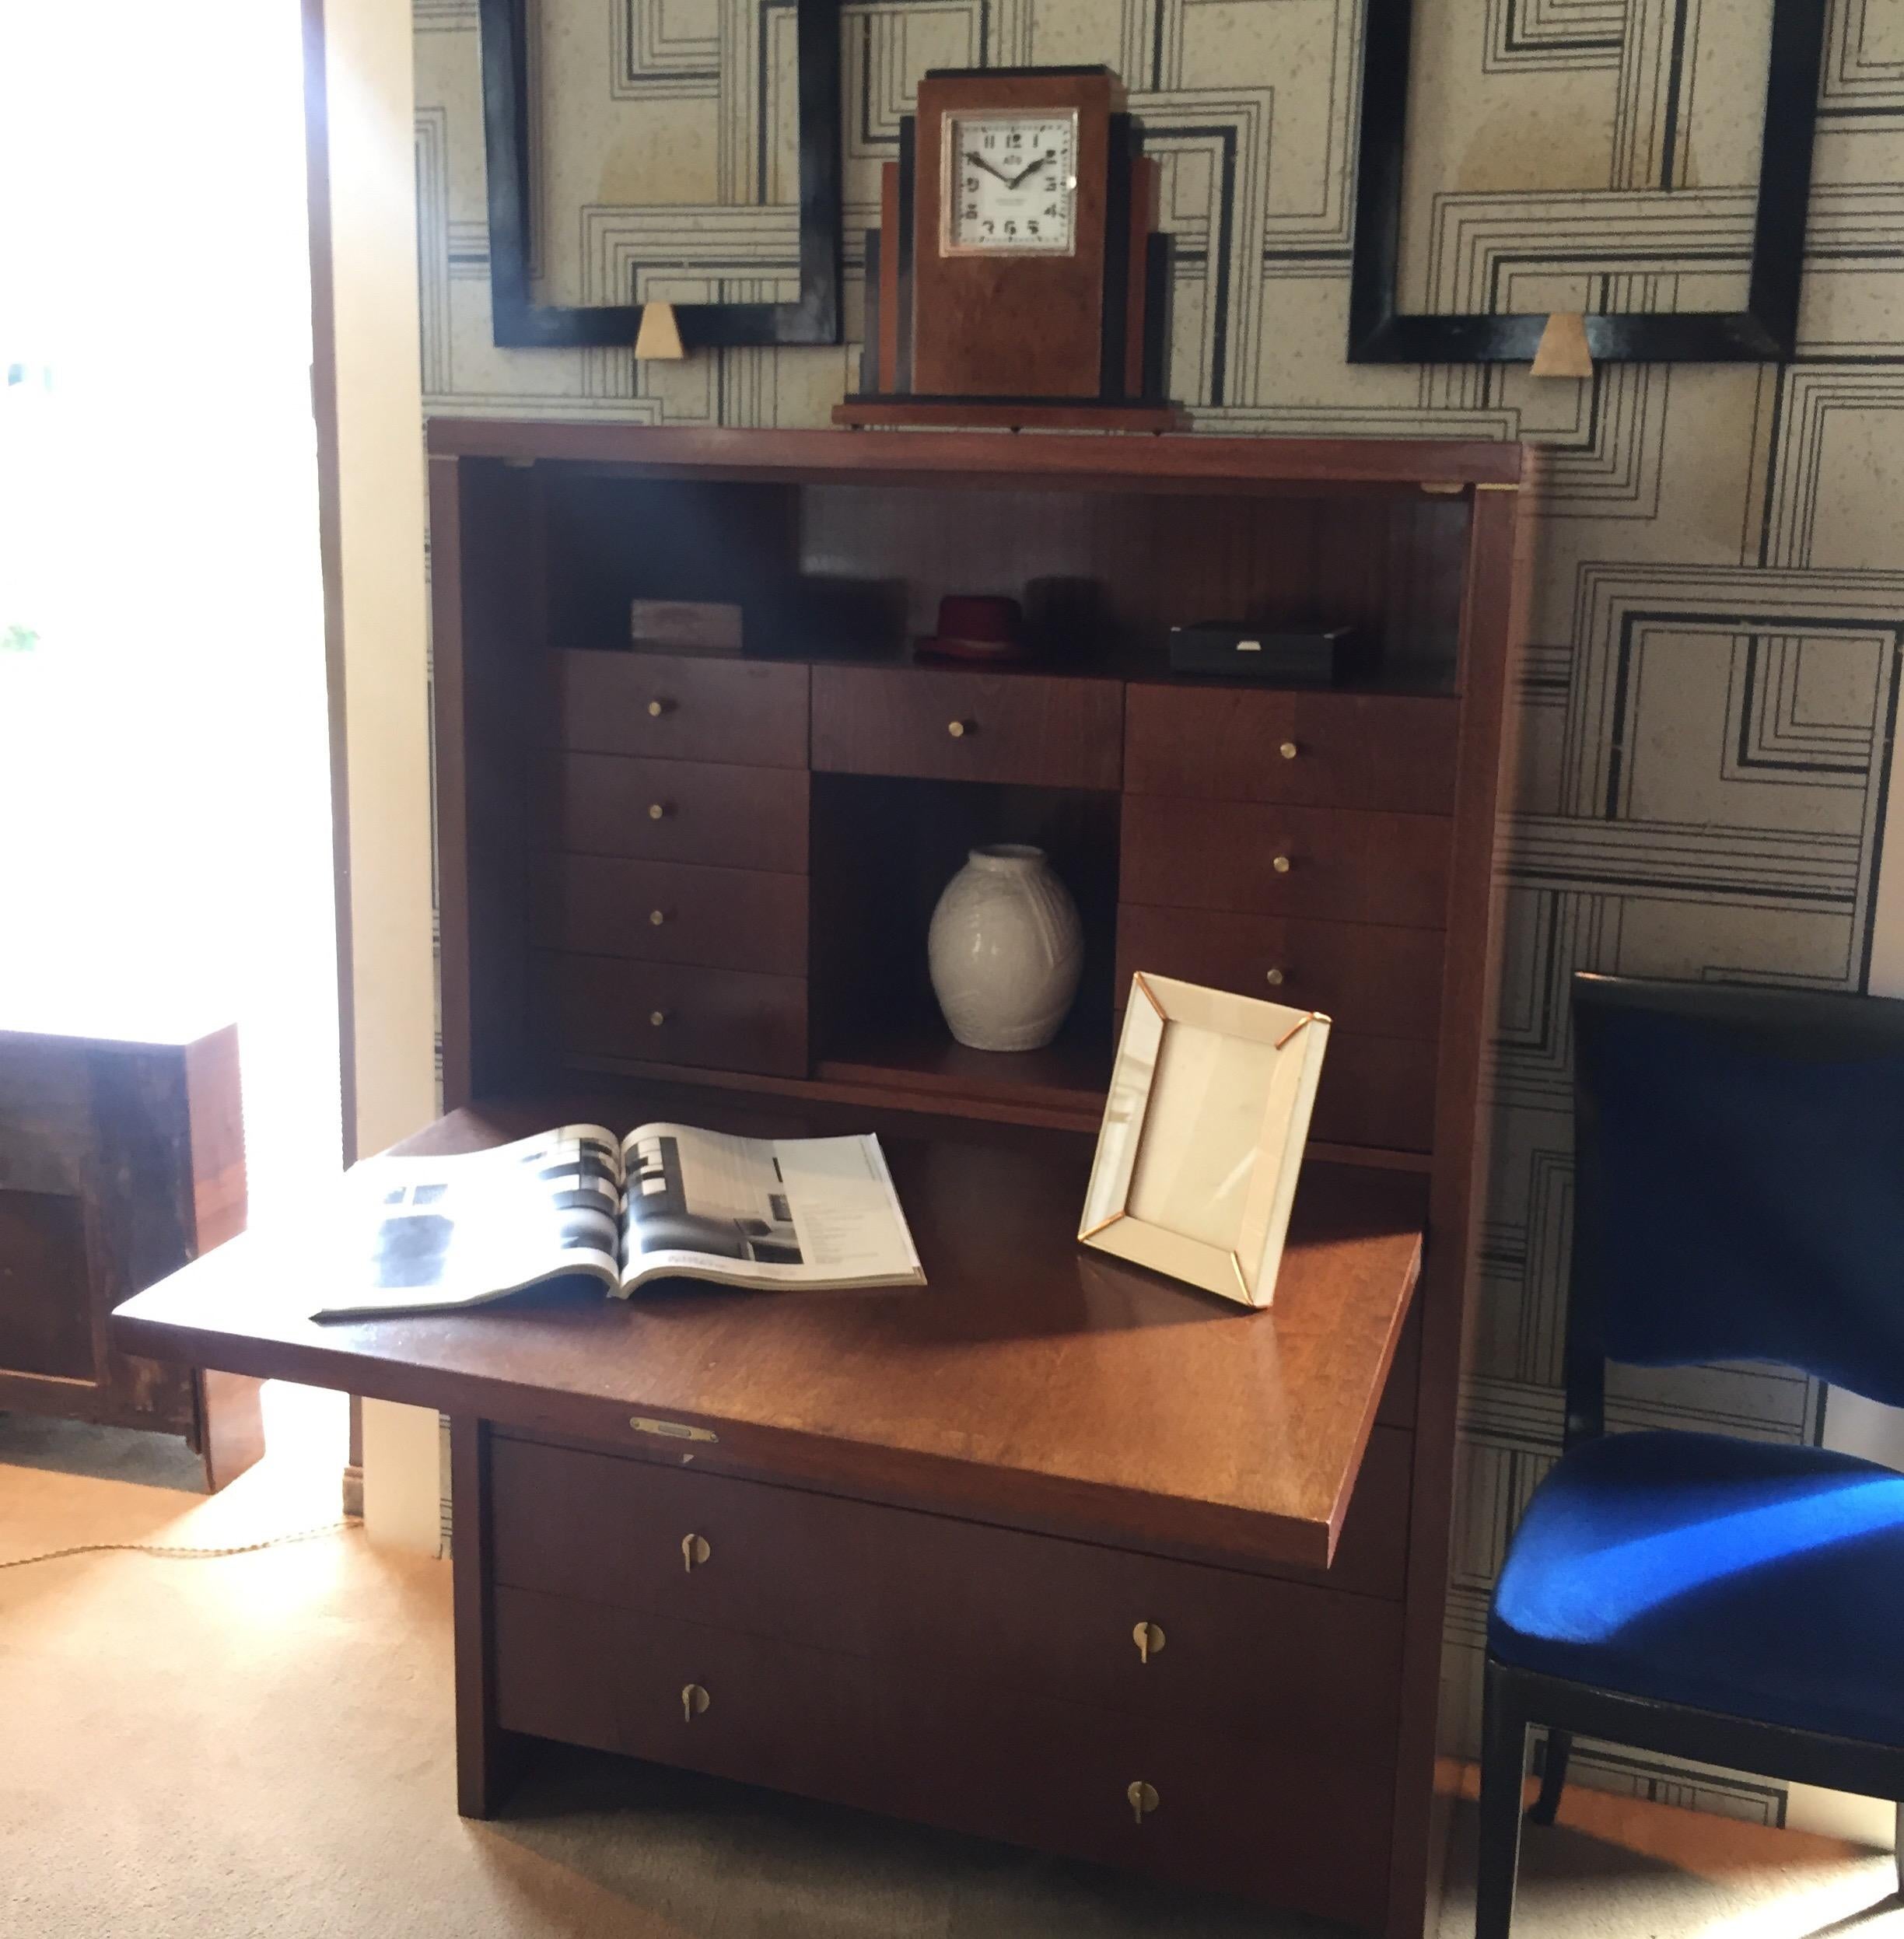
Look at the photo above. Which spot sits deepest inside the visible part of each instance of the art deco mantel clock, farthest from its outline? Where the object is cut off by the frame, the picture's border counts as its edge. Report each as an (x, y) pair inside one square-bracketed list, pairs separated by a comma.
[(1017, 277)]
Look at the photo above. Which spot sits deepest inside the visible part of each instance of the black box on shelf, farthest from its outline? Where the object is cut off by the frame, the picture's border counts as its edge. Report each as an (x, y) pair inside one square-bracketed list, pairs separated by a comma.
[(1319, 655)]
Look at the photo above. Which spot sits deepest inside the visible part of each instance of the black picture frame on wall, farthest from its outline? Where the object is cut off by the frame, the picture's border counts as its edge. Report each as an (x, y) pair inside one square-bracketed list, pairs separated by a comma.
[(520, 323), (1766, 330)]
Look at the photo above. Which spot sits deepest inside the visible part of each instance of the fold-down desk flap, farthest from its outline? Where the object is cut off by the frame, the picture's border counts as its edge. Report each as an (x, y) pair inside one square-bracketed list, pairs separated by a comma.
[(1031, 1382)]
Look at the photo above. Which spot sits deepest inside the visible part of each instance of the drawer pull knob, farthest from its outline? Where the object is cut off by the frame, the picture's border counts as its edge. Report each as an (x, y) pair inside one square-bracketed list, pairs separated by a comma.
[(1143, 1799), (1149, 1640), (1289, 750), (1274, 978), (657, 811), (1281, 865), (695, 1551), (657, 917), (958, 729), (695, 1701), (657, 708), (656, 1018)]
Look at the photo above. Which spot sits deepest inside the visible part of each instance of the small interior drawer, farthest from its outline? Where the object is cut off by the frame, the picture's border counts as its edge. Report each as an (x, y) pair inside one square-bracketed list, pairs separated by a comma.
[(682, 811), (1312, 750), (1340, 864), (1377, 1092), (1040, 730), (673, 913), (1367, 976), (676, 707), (676, 1014)]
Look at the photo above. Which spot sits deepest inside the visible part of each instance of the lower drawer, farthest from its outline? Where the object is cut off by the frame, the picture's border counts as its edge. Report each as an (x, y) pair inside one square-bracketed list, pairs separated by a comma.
[(1299, 1823), (1038, 1614), (673, 1013)]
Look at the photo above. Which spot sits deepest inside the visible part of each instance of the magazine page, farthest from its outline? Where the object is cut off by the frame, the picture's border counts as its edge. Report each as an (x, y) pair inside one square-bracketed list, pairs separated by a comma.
[(762, 1211), (419, 1235)]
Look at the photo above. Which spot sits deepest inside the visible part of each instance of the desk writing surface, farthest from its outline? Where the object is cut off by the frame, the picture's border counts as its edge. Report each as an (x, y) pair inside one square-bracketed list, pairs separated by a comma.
[(1032, 1379)]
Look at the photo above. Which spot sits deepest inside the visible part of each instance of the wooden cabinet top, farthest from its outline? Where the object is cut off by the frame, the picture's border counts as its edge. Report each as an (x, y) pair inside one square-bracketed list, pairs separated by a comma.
[(1032, 1382), (1169, 462)]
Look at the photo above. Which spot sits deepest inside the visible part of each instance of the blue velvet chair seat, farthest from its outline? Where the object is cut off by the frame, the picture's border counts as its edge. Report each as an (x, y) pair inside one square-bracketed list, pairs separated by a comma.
[(1766, 1581)]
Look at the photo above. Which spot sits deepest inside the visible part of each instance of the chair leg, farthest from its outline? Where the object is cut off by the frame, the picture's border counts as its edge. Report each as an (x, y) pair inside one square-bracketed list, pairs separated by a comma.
[(1504, 1765), (1553, 1778)]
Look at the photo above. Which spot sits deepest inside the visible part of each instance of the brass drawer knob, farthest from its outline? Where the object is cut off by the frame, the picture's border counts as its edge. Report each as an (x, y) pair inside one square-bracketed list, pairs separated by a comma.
[(1281, 865), (657, 917), (1149, 1640), (1289, 750), (1274, 978), (657, 708), (958, 729), (656, 1018), (695, 1701), (695, 1551), (657, 810), (1143, 1799)]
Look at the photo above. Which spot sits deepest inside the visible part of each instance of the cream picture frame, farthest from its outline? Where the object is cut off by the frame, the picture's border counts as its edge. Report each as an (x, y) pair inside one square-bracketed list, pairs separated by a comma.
[(1202, 1136)]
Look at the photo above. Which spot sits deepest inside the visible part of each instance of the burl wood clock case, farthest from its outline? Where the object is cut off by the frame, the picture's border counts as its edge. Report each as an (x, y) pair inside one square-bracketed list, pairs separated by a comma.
[(1052, 1550)]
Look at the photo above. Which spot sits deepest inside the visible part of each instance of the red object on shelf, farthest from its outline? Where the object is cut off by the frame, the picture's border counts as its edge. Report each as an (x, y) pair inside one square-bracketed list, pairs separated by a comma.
[(976, 626)]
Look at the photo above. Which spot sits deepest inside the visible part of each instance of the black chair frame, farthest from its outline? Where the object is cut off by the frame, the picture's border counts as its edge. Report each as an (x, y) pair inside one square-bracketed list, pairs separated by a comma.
[(1516, 1701)]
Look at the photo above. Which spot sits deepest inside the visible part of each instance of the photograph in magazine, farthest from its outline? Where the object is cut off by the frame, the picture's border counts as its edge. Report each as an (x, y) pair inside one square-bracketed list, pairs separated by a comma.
[(451, 1231), (761, 1211)]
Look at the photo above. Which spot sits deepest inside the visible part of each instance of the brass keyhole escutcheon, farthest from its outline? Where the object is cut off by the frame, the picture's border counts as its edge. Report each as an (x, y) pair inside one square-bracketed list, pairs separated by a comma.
[(1289, 750), (695, 1701), (695, 1551), (1143, 1799), (1281, 865), (1149, 1640)]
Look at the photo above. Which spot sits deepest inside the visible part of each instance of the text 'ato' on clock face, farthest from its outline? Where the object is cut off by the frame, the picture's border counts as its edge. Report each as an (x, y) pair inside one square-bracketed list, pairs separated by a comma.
[(1011, 183)]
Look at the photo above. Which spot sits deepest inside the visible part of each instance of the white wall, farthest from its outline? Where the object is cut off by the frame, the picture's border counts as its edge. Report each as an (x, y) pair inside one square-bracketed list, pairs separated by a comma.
[(370, 99)]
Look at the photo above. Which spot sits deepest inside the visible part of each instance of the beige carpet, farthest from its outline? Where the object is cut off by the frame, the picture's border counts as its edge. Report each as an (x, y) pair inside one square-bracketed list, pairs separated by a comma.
[(259, 1746)]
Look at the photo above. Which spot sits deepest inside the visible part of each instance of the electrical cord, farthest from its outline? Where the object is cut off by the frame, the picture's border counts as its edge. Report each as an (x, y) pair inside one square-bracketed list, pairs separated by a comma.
[(184, 1554)]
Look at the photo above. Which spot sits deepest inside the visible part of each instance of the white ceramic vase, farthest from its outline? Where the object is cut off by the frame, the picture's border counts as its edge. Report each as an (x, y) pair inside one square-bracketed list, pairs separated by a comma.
[(1007, 949)]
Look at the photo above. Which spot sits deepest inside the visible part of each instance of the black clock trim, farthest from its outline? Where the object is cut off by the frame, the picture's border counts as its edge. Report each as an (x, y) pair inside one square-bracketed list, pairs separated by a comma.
[(518, 323), (1766, 330)]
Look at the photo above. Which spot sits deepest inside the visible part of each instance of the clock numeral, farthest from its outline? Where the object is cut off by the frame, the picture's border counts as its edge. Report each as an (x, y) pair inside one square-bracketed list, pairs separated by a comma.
[(1011, 229), (1033, 227), (972, 184), (991, 141), (1015, 139), (971, 211), (1051, 209), (989, 225)]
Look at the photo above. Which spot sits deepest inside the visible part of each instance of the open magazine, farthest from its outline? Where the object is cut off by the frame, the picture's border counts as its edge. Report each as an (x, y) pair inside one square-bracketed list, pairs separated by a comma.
[(423, 1233)]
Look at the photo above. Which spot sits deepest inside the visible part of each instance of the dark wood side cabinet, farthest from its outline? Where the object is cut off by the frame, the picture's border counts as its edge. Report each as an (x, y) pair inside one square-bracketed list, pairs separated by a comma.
[(1053, 1551), (120, 1161)]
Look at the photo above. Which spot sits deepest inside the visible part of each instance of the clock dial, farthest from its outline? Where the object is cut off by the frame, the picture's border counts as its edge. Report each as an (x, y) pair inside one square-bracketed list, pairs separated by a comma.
[(1010, 183)]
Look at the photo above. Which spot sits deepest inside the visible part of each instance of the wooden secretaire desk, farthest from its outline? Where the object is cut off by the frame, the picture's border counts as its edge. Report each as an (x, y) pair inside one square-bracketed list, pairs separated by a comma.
[(1051, 1551)]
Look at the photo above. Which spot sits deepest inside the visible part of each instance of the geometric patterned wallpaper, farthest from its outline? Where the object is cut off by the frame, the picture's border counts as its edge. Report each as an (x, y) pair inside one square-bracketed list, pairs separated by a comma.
[(1707, 710)]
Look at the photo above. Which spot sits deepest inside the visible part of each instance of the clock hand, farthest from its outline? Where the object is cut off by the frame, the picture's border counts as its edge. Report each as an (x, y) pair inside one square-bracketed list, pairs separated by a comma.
[(1032, 171), (978, 161)]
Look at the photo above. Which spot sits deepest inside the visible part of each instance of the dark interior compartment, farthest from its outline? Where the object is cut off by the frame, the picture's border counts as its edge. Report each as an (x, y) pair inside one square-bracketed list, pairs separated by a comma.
[(884, 850)]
